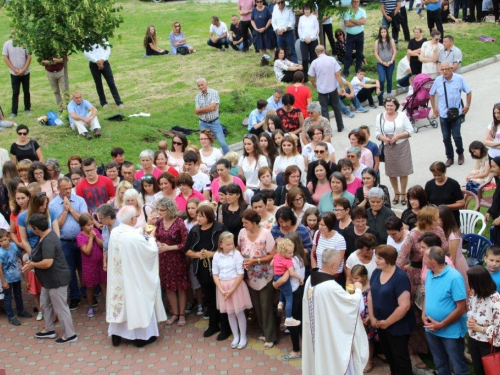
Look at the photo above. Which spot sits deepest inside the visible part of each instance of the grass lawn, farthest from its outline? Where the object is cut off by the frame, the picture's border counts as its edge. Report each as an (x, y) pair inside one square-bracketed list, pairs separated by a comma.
[(165, 85)]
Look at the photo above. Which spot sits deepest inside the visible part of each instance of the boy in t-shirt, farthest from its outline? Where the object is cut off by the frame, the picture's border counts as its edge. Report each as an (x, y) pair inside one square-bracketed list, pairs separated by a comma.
[(201, 181), (10, 276), (492, 259), (364, 88)]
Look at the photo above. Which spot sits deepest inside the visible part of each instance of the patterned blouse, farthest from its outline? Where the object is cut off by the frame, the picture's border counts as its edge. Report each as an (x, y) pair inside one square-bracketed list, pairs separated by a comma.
[(486, 312), (289, 120)]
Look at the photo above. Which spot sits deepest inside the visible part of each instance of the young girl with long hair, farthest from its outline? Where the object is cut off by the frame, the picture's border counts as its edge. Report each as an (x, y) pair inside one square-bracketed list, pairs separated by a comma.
[(150, 43)]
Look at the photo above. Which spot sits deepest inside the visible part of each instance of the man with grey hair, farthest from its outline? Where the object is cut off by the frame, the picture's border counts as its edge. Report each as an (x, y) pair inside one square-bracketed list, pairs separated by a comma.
[(443, 313), (331, 322), (274, 102), (83, 116), (207, 109), (451, 53), (326, 77), (378, 213), (133, 304), (68, 207)]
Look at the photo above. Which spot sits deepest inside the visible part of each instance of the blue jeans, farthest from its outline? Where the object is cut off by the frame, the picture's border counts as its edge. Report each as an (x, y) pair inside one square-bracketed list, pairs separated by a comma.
[(288, 40), (353, 42), (445, 351), (287, 293), (354, 101), (216, 128), (224, 42), (385, 74), (451, 129), (14, 288), (74, 260)]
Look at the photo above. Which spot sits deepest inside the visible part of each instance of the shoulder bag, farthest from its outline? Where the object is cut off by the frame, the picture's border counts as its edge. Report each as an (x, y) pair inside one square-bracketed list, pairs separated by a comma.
[(491, 362), (452, 113)]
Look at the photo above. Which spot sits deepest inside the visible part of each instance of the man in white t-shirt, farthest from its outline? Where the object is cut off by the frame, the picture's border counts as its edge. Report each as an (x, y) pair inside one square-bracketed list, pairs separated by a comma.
[(201, 181), (404, 72), (218, 34), (364, 88)]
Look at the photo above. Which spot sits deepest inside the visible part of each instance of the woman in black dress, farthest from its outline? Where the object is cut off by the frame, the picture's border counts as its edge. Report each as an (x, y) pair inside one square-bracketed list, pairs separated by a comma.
[(414, 51), (231, 211), (264, 37), (25, 147)]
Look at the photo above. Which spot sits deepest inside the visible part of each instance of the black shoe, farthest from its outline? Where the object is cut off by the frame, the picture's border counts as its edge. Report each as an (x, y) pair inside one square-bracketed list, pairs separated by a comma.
[(340, 129), (223, 335), (210, 331), (116, 340), (94, 302), (35, 309), (98, 293), (46, 335), (68, 340), (449, 163), (25, 314), (14, 321), (73, 304), (461, 159), (143, 343)]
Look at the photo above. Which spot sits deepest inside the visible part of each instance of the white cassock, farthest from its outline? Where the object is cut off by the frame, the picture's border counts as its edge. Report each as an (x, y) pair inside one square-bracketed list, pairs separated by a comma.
[(334, 340), (133, 300)]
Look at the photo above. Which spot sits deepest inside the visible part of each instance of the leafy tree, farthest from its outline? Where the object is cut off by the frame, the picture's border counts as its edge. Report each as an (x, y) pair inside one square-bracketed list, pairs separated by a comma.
[(49, 28)]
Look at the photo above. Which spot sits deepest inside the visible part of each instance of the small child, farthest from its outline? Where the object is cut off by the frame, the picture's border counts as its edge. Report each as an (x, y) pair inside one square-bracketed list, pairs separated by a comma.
[(233, 297), (282, 264), (311, 220), (149, 187), (492, 259), (10, 276), (89, 241), (359, 273), (233, 158)]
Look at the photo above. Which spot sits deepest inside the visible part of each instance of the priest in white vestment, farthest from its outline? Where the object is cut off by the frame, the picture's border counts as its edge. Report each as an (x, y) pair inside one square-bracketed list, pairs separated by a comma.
[(133, 300), (334, 340)]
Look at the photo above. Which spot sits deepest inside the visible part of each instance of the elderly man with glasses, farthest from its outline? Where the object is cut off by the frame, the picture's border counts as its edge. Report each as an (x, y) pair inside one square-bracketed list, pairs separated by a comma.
[(449, 87)]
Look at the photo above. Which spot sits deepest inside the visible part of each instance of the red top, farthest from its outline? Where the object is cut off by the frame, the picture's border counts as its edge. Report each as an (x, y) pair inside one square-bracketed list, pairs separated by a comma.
[(96, 194), (301, 94)]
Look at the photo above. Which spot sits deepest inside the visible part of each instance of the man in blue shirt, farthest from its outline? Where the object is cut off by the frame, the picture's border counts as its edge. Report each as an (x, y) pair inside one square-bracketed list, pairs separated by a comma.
[(443, 313), (83, 116), (451, 98), (354, 22), (274, 102), (257, 117), (68, 208)]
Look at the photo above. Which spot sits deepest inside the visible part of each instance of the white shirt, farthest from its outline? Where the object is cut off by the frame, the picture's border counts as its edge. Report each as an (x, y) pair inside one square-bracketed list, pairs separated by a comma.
[(229, 266), (403, 67), (355, 83), (299, 269), (428, 51), (4, 156), (282, 162), (394, 244), (251, 171), (337, 242), (282, 20), (308, 27), (98, 52), (354, 259), (359, 172), (201, 182), (492, 151), (308, 151), (212, 158), (218, 30)]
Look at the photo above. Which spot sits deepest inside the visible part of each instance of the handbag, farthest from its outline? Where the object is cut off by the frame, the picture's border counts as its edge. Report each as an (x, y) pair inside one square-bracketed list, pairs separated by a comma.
[(491, 362), (452, 113), (182, 50)]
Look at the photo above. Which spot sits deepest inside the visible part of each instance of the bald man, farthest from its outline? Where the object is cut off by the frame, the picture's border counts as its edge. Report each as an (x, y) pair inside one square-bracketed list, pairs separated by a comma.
[(83, 116)]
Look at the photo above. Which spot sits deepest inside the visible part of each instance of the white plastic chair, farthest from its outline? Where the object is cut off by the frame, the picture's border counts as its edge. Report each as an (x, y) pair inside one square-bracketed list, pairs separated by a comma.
[(468, 221)]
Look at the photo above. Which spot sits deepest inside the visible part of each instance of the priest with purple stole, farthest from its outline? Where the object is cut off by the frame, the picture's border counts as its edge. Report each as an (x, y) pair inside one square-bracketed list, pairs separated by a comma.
[(334, 340)]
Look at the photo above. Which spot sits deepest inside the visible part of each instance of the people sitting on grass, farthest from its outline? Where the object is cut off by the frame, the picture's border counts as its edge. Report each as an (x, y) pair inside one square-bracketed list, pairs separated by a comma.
[(150, 43)]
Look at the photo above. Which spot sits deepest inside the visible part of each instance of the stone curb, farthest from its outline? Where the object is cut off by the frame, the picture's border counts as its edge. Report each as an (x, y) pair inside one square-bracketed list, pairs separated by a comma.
[(238, 147)]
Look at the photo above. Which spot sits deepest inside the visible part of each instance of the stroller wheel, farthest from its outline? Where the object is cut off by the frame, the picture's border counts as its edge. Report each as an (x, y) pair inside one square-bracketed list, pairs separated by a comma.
[(434, 123), (415, 128)]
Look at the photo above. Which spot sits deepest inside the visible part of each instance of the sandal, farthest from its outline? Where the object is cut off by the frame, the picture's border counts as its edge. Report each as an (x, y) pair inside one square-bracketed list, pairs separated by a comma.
[(172, 320), (404, 202), (268, 345), (182, 321), (395, 201), (368, 367)]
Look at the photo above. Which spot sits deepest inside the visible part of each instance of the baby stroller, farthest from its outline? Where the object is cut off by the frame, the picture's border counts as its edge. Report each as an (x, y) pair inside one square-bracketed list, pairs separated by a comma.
[(416, 105)]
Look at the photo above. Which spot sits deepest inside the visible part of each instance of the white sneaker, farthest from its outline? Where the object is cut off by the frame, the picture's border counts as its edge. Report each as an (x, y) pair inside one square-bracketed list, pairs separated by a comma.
[(291, 322), (39, 316)]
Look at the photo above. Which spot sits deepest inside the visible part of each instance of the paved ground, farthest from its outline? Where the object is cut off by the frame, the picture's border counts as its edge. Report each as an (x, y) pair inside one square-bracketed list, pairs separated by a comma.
[(179, 350)]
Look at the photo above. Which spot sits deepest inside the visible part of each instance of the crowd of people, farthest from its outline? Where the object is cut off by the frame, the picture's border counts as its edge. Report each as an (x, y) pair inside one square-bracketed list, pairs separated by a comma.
[(290, 227)]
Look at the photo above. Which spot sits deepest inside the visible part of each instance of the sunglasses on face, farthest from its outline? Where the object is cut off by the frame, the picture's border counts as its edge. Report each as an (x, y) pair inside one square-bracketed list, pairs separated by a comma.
[(177, 143), (319, 151), (23, 133)]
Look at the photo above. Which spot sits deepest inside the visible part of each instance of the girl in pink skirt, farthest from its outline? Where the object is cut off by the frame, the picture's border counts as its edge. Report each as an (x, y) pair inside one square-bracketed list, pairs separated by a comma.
[(89, 241), (233, 297)]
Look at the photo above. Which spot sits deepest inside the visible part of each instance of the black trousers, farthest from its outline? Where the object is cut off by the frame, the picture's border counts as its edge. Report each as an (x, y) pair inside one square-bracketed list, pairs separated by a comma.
[(366, 94), (478, 350), (308, 55), (328, 32), (403, 19), (331, 98), (215, 318), (296, 332), (16, 82), (434, 19), (246, 27), (476, 10), (288, 76), (395, 349), (108, 76)]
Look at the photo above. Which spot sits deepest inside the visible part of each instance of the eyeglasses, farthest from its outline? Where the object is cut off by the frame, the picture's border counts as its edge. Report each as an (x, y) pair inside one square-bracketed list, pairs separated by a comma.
[(38, 174), (298, 199), (319, 151), (445, 69), (338, 209), (148, 178), (258, 2), (351, 156), (177, 143), (22, 133), (41, 194)]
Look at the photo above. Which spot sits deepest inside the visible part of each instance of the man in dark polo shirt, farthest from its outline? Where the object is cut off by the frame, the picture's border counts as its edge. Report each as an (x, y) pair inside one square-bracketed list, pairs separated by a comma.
[(55, 73)]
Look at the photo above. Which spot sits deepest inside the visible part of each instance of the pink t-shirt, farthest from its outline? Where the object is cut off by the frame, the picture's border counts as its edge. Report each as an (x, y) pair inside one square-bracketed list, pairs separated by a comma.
[(156, 173), (182, 202), (216, 185), (320, 191), (246, 5), (353, 186), (281, 264)]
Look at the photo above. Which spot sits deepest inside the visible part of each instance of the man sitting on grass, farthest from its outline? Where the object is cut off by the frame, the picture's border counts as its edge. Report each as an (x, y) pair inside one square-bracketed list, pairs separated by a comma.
[(83, 116)]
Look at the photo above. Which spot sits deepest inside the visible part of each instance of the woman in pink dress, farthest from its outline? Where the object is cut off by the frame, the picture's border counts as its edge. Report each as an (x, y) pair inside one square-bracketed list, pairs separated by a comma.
[(171, 235)]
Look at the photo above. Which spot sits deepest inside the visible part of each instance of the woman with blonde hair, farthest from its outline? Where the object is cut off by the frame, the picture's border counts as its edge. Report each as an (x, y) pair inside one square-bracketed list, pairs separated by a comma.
[(178, 41), (23, 167), (150, 43), (117, 201)]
